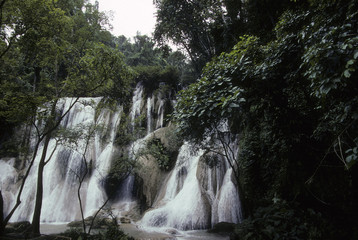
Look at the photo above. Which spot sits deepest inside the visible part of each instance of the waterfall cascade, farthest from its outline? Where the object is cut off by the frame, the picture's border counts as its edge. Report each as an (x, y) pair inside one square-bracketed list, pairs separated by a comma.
[(194, 195)]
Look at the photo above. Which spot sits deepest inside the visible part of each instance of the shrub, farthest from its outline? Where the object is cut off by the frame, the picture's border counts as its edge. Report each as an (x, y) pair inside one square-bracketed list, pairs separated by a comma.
[(282, 220), (156, 148)]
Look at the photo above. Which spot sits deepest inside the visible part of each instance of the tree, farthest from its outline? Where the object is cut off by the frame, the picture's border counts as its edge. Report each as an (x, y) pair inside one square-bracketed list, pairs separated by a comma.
[(78, 140), (100, 66), (154, 64), (54, 62), (188, 24), (205, 28), (296, 121)]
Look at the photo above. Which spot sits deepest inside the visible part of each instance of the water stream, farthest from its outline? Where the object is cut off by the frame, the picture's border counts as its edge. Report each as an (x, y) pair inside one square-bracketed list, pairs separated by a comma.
[(194, 195)]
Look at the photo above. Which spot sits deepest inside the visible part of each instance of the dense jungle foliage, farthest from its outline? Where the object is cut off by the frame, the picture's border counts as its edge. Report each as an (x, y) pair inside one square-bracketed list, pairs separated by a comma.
[(283, 73), (290, 92)]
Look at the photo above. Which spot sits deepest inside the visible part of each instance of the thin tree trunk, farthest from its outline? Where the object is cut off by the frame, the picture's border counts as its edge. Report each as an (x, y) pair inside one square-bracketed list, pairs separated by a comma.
[(49, 128), (39, 192), (80, 201), (98, 211)]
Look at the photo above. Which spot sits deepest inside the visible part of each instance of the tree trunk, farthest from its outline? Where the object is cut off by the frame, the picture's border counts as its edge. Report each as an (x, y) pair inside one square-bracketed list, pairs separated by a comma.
[(39, 192)]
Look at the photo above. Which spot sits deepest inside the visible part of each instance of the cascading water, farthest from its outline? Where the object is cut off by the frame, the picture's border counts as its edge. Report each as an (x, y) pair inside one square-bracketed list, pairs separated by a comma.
[(189, 203), (194, 195), (136, 102), (183, 207), (60, 203), (160, 114), (8, 178), (149, 114), (95, 194)]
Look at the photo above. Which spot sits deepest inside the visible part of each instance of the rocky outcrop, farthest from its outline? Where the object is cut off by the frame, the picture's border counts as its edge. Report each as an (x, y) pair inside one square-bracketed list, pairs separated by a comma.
[(208, 172), (152, 178)]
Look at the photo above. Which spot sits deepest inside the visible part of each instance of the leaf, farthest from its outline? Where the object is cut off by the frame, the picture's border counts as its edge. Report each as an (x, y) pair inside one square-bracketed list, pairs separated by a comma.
[(355, 54), (347, 74), (234, 105), (350, 62)]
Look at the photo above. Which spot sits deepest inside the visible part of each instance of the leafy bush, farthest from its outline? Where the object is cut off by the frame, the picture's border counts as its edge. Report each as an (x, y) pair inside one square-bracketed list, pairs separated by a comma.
[(121, 167), (152, 76), (294, 103), (128, 131), (281, 220), (112, 232), (157, 149)]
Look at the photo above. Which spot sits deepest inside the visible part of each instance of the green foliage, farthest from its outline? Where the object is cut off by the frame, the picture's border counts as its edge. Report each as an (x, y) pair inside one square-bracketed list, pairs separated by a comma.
[(101, 71), (282, 221), (154, 65), (164, 149), (124, 136), (141, 52), (174, 140), (215, 95), (53, 49), (153, 76), (205, 28), (121, 167), (111, 232), (157, 149), (293, 101), (129, 131)]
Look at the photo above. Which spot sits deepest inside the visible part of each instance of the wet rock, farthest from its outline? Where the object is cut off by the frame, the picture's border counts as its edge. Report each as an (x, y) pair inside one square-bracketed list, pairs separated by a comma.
[(17, 227), (172, 231), (124, 220), (152, 178), (99, 222)]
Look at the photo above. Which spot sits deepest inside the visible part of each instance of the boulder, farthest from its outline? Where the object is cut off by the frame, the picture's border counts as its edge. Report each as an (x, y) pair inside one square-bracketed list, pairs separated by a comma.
[(17, 227), (124, 220)]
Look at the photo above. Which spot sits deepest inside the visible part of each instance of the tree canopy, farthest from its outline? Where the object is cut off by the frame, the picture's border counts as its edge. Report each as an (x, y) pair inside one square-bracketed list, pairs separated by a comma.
[(293, 102), (52, 49)]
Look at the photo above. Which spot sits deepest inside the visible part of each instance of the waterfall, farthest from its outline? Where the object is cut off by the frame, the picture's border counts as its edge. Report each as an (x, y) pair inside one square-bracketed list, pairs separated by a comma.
[(8, 178), (188, 205), (136, 102), (60, 174), (183, 207), (149, 114), (160, 114), (96, 196), (193, 195)]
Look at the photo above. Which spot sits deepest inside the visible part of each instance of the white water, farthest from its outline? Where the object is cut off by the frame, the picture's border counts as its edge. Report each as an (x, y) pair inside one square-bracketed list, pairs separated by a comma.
[(186, 200), (149, 114), (186, 204), (8, 178), (60, 202), (160, 114), (95, 194), (136, 103), (182, 207)]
